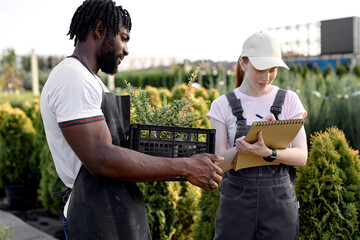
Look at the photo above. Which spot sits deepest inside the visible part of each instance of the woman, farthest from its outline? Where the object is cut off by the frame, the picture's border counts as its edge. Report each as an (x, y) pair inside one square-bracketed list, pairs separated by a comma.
[(257, 202)]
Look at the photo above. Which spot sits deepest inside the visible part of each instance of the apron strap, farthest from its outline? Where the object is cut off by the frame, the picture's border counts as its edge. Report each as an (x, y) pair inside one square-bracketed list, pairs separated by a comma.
[(86, 66), (65, 194)]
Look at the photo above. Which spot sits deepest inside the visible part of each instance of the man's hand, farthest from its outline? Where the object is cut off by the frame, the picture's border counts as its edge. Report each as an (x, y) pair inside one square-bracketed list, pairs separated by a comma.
[(202, 172)]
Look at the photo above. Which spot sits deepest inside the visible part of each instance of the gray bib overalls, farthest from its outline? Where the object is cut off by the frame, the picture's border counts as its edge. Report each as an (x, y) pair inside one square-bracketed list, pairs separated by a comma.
[(259, 202)]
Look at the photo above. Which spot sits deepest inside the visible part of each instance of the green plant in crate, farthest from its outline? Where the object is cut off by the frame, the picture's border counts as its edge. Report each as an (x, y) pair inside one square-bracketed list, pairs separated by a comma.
[(328, 188), (177, 113)]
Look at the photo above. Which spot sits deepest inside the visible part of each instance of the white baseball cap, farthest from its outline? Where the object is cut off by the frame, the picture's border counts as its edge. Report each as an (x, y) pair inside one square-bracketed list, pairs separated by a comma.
[(263, 51)]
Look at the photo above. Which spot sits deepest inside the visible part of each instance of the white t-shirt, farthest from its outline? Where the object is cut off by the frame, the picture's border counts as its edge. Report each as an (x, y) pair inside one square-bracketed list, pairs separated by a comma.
[(71, 95), (221, 110)]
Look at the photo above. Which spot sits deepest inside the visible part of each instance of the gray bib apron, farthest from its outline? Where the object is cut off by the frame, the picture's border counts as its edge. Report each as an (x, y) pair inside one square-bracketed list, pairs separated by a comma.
[(104, 208)]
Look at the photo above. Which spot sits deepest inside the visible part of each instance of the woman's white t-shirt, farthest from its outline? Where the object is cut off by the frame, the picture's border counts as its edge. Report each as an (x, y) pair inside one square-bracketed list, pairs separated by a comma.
[(221, 110)]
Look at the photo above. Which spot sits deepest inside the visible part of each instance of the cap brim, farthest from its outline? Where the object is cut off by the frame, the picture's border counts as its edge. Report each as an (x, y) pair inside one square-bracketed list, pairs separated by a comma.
[(262, 63)]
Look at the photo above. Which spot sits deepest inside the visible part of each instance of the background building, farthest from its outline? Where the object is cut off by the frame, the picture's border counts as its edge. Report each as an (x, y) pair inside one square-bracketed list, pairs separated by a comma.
[(325, 44)]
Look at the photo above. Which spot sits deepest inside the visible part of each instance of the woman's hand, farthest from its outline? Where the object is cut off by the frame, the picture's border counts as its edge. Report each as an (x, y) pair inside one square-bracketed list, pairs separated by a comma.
[(271, 117), (256, 148)]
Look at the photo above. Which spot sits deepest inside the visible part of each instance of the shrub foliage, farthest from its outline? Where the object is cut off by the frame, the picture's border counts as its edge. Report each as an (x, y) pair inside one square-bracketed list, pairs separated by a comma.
[(328, 188)]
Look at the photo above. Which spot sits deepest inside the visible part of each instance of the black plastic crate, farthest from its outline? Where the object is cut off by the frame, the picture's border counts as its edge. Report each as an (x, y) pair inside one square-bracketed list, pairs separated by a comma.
[(173, 142)]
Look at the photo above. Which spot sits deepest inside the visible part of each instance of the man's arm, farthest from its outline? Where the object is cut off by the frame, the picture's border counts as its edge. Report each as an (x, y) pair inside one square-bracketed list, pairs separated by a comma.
[(92, 143)]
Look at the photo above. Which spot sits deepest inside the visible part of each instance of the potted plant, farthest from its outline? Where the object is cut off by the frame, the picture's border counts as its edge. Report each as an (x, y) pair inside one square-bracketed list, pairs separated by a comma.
[(17, 168), (166, 130)]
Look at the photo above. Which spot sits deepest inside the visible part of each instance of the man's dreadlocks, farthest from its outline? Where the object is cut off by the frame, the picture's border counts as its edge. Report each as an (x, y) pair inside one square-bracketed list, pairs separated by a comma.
[(88, 15)]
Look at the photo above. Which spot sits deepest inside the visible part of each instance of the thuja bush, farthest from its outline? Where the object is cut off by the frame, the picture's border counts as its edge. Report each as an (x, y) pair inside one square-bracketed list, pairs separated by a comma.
[(160, 207), (356, 70), (50, 182), (328, 188), (204, 223), (16, 143), (32, 109), (187, 197), (16, 100)]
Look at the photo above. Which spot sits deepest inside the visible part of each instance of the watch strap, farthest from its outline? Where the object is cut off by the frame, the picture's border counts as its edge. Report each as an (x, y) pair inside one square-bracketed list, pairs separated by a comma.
[(272, 157)]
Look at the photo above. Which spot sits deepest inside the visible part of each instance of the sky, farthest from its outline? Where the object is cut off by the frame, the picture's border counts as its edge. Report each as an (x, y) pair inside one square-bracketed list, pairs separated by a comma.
[(164, 29)]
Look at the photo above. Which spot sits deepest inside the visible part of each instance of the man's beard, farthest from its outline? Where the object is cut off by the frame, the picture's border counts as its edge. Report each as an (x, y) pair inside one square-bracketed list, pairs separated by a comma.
[(107, 59)]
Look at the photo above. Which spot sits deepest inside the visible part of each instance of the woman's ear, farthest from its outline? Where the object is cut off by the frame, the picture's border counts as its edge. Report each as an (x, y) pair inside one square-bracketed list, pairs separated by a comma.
[(99, 31), (243, 64)]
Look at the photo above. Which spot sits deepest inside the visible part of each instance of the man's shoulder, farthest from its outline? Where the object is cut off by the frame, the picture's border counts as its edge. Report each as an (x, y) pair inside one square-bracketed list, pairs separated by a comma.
[(69, 72), (67, 66)]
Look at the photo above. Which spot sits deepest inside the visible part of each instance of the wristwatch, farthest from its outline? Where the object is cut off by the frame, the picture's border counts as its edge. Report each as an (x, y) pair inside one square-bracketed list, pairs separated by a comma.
[(272, 157)]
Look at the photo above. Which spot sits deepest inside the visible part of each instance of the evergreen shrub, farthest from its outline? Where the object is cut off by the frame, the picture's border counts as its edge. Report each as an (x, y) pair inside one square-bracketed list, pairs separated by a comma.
[(328, 188), (187, 198), (16, 143), (204, 223), (50, 182)]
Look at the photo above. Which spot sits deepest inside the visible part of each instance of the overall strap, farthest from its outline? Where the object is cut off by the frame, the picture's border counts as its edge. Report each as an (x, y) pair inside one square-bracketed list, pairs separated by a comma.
[(276, 108), (237, 111)]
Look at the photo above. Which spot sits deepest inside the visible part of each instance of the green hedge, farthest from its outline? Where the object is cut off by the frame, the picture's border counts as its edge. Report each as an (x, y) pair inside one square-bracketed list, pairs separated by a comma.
[(328, 189)]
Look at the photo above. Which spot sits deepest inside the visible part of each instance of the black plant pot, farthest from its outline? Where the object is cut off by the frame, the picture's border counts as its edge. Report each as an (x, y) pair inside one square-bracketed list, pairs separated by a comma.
[(20, 197), (2, 193)]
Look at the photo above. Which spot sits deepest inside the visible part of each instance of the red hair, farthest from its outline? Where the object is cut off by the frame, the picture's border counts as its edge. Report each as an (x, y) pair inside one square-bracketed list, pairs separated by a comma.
[(239, 72)]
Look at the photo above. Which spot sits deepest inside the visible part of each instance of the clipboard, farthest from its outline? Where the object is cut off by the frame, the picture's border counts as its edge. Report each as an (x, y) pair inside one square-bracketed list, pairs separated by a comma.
[(276, 134)]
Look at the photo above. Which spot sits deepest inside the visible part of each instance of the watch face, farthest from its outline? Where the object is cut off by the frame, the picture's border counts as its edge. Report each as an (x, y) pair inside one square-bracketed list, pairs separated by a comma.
[(272, 158)]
